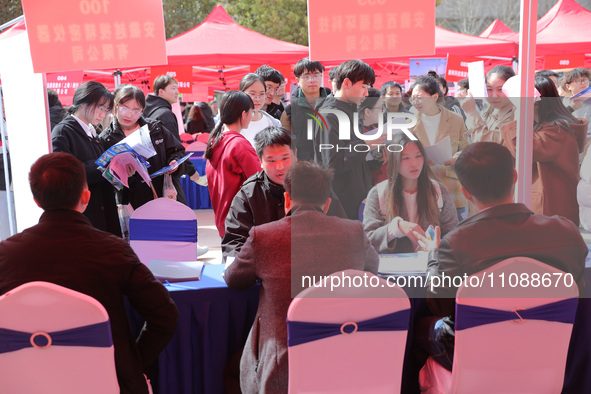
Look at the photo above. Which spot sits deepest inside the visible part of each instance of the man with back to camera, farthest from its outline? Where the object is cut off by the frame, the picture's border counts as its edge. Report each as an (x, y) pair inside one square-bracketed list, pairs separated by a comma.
[(260, 199), (303, 99), (306, 242), (352, 159), (273, 81), (66, 250), (159, 104), (501, 229)]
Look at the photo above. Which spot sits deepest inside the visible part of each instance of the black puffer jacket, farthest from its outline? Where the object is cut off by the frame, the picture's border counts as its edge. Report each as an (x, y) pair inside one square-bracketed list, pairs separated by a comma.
[(167, 149), (259, 201)]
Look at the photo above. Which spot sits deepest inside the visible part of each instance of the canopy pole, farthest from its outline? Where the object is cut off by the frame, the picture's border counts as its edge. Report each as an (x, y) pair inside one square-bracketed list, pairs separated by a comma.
[(525, 112), (9, 204)]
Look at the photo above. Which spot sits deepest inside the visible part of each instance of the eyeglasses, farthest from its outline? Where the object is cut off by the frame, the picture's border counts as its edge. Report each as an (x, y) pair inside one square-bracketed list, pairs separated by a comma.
[(254, 95), (313, 77), (136, 113), (581, 81), (271, 90), (103, 109)]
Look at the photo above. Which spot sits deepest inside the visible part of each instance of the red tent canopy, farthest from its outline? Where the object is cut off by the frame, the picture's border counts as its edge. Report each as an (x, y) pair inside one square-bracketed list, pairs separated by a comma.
[(220, 40), (499, 31), (466, 45), (564, 30)]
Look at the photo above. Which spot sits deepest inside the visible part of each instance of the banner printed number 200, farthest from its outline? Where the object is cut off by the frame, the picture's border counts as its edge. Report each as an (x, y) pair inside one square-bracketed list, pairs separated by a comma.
[(94, 6)]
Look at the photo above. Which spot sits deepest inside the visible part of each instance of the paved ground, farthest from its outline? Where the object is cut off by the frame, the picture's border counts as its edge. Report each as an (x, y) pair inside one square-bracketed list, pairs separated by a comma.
[(207, 235)]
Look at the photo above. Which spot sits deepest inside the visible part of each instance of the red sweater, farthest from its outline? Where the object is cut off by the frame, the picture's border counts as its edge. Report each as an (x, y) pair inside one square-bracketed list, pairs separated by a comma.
[(233, 161)]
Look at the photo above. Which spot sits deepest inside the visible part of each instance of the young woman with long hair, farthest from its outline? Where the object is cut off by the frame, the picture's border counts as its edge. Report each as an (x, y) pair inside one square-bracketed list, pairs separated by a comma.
[(254, 86), (409, 201), (77, 134), (130, 102), (231, 159), (558, 139)]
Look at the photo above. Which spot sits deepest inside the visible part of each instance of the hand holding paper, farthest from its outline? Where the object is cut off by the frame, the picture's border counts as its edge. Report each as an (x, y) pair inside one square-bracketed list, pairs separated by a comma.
[(440, 153)]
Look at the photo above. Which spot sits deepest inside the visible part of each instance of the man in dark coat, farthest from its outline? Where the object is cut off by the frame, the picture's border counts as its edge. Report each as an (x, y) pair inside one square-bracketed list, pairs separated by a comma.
[(303, 100), (66, 250), (501, 229), (279, 254), (260, 199), (159, 104), (352, 158)]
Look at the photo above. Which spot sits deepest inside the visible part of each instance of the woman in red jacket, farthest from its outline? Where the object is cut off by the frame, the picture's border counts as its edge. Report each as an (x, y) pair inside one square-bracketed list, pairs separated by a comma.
[(231, 159), (558, 139)]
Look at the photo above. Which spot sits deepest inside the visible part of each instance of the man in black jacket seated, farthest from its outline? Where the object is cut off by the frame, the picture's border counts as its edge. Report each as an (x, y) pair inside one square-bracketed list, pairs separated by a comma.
[(260, 200), (66, 250), (501, 229)]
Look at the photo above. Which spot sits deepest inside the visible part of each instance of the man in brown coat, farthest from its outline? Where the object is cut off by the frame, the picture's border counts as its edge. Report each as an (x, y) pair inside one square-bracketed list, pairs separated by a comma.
[(280, 253)]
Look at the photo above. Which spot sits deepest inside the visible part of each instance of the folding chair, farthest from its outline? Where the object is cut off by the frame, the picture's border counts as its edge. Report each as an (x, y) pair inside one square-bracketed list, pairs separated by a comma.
[(163, 229), (55, 340), (511, 337), (362, 338)]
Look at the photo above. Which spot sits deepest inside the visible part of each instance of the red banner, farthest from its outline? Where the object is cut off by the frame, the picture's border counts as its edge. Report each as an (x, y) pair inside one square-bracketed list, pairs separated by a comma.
[(94, 34), (558, 62), (350, 29), (457, 67), (183, 74), (65, 84)]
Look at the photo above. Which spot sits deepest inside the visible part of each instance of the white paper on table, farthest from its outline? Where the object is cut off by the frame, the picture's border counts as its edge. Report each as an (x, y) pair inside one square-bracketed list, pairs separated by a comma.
[(404, 263), (476, 79), (140, 142), (439, 153), (119, 163)]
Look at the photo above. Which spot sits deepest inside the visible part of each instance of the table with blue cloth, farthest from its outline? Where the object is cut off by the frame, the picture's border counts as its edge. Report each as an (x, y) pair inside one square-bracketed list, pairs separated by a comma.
[(197, 196), (214, 322)]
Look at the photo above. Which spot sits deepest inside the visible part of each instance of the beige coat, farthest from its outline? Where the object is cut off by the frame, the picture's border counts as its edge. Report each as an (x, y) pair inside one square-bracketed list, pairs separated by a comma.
[(452, 125)]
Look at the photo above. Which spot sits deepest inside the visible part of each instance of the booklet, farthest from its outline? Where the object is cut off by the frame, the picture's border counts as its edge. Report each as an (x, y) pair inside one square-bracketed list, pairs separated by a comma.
[(140, 142), (581, 93), (439, 153), (117, 175), (168, 168)]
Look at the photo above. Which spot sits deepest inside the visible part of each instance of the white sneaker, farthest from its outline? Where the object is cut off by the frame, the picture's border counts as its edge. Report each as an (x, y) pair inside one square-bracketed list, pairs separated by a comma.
[(201, 250)]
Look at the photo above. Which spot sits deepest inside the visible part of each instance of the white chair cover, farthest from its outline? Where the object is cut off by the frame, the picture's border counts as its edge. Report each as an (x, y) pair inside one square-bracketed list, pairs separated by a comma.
[(515, 356), (45, 307), (164, 229), (361, 362)]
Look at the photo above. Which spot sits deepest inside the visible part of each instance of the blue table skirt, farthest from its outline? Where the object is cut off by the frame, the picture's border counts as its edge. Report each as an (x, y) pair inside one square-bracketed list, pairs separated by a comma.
[(214, 322), (197, 196)]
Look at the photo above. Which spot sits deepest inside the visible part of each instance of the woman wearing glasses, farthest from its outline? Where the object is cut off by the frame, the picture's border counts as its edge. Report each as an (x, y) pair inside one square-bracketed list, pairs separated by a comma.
[(254, 86), (129, 105), (76, 134)]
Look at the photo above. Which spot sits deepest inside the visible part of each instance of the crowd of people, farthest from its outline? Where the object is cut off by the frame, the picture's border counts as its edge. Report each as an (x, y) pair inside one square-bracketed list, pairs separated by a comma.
[(294, 193)]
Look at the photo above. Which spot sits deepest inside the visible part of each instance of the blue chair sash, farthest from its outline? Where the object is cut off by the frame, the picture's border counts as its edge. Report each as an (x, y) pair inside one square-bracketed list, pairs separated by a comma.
[(299, 332), (93, 335), (163, 230), (563, 311)]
